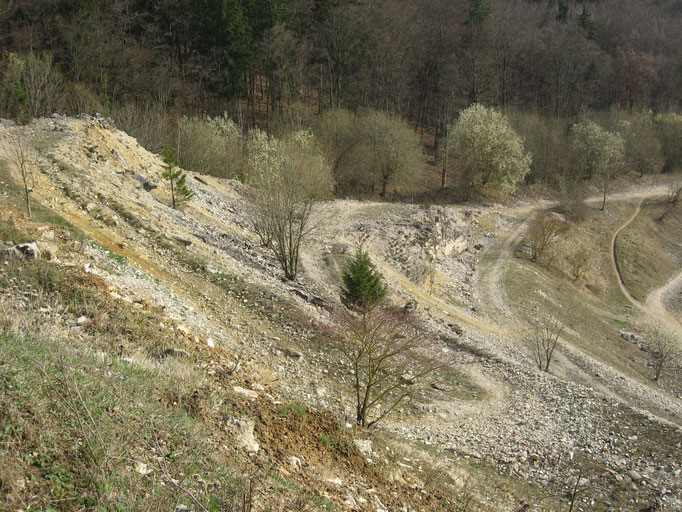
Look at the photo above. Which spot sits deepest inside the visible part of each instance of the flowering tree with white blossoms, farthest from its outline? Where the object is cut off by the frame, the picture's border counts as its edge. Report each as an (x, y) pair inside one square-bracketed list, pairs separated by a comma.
[(487, 151)]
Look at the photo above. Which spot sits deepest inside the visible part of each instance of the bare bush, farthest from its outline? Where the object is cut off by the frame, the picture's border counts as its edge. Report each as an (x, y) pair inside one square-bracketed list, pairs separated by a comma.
[(543, 235), (547, 330), (663, 350), (578, 264), (147, 122), (388, 358)]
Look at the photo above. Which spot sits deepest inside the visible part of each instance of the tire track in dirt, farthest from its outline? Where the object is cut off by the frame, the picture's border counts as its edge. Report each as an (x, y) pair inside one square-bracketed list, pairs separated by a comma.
[(653, 306), (614, 260)]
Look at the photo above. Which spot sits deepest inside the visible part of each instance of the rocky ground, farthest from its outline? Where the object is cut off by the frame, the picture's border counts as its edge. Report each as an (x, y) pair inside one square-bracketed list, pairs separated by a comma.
[(203, 268)]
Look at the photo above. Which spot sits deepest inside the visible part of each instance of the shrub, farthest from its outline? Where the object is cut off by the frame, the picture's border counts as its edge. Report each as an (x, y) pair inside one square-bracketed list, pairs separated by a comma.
[(211, 145), (31, 86), (388, 358), (599, 153), (669, 127), (388, 154), (642, 148), (338, 135), (543, 235)]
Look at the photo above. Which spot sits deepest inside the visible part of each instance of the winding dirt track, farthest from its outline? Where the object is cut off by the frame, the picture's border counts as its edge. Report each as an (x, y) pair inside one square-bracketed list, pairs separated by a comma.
[(502, 254), (654, 305), (614, 259)]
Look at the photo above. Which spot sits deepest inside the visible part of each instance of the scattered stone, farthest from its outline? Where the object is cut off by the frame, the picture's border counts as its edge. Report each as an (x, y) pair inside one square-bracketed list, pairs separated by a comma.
[(295, 463), (175, 352), (292, 354), (146, 184), (339, 248), (634, 475), (248, 393), (181, 240), (142, 468), (29, 251), (48, 235), (456, 329), (244, 430), (365, 446)]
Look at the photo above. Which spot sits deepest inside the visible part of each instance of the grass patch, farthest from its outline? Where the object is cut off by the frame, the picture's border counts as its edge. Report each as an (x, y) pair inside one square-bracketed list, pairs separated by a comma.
[(10, 233), (649, 250), (83, 430), (15, 196), (294, 409)]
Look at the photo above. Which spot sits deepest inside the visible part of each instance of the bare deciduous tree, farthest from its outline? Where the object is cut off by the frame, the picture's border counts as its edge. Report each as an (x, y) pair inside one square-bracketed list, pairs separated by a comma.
[(15, 149), (289, 177), (547, 330), (543, 235), (387, 357)]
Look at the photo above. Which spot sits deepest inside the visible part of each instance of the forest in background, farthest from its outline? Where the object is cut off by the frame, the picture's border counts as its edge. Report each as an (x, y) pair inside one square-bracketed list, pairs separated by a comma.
[(279, 64)]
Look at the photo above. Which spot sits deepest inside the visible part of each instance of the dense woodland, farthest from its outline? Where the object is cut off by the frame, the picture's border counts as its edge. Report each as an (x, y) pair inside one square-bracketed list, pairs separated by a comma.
[(269, 63)]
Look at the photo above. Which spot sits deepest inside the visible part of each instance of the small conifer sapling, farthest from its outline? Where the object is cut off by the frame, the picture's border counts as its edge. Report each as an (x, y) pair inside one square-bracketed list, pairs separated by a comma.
[(180, 192)]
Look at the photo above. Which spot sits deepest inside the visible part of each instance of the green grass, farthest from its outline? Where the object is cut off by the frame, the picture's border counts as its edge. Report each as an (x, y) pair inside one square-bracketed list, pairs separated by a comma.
[(15, 197), (294, 409), (9, 232), (77, 426)]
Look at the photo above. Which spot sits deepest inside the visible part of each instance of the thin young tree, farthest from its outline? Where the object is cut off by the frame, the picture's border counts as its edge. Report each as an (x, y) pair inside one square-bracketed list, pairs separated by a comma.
[(177, 179), (289, 177), (546, 332), (15, 149), (388, 358)]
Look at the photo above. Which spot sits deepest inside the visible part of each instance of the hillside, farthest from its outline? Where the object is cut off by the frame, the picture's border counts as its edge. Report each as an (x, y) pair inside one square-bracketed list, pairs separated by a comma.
[(172, 334)]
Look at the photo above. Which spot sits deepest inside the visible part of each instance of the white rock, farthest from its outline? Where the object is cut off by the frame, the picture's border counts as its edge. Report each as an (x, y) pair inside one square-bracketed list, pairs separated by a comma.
[(142, 468), (295, 463), (210, 342), (246, 392), (365, 446)]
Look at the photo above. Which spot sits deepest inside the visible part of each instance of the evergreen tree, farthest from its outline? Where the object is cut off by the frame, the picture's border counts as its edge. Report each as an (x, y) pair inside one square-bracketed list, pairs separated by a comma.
[(180, 192), (562, 16), (587, 23), (362, 288)]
